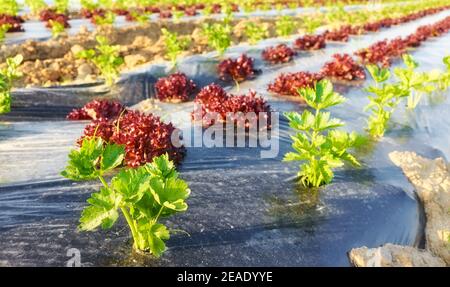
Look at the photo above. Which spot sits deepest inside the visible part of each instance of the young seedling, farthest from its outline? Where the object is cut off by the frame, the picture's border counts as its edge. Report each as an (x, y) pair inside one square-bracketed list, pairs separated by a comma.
[(207, 11), (417, 83), (89, 5), (3, 29), (106, 4), (106, 58), (143, 195), (285, 26), (7, 77), (57, 28), (174, 45), (176, 14), (444, 80), (318, 145), (311, 23), (141, 18), (107, 20), (219, 36), (9, 7), (255, 33), (36, 6), (384, 101), (62, 6)]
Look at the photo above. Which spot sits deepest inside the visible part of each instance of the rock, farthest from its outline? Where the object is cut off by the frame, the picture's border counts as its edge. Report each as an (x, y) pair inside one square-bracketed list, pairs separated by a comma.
[(84, 70), (76, 49), (391, 255), (134, 60), (199, 37), (49, 74), (142, 41), (431, 179), (83, 30)]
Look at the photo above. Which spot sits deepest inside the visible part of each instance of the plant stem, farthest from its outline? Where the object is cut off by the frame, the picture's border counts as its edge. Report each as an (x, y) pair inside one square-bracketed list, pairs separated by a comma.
[(159, 213), (103, 181), (130, 222)]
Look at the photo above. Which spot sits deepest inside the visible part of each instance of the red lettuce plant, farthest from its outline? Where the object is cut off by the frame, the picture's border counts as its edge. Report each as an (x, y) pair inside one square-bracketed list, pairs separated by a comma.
[(190, 11), (144, 136), (336, 35), (213, 99), (372, 27), (310, 42), (237, 70), (14, 22), (176, 87), (97, 109), (165, 14), (50, 14), (288, 84), (216, 8), (278, 54), (152, 9), (343, 67), (382, 52), (93, 13)]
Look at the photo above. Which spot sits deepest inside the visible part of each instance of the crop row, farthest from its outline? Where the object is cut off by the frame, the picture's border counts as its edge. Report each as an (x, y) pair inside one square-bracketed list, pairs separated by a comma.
[(139, 10), (45, 65)]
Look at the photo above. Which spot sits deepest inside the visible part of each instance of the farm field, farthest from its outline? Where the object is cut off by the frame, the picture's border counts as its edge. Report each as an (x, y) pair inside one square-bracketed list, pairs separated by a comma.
[(205, 133)]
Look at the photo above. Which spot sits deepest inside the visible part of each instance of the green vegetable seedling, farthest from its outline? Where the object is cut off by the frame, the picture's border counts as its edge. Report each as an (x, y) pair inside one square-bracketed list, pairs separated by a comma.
[(143, 195), (417, 83), (62, 6), (106, 58), (106, 20), (174, 45), (7, 77), (3, 30), (9, 7), (57, 28), (318, 145), (218, 35), (255, 33), (285, 26), (384, 100)]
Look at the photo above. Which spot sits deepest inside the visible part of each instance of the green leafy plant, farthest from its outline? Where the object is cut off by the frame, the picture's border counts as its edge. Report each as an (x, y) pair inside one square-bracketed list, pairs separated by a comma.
[(141, 18), (62, 6), (143, 195), (218, 35), (174, 44), (3, 30), (7, 77), (9, 7), (318, 145), (106, 4), (254, 32), (384, 100), (444, 78), (417, 83), (36, 6), (207, 11), (285, 26), (57, 28), (106, 58), (176, 14), (311, 23), (89, 4), (106, 20)]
